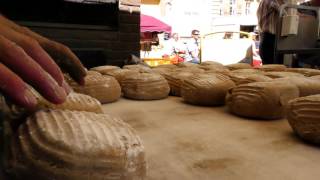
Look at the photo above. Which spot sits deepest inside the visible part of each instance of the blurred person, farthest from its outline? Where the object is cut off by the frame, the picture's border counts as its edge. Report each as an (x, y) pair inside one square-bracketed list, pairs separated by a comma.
[(256, 59), (268, 15), (255, 43), (175, 47), (29, 58), (228, 35), (193, 47)]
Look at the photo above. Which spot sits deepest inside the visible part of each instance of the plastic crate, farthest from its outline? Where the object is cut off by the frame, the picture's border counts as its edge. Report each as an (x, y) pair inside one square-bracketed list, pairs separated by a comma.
[(153, 62)]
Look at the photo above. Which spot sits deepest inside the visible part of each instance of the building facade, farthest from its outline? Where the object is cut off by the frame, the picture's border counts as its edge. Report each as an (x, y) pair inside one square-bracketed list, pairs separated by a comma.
[(205, 15)]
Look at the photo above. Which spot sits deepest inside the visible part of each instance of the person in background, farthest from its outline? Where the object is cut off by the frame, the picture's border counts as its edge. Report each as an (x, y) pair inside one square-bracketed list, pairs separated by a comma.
[(228, 35), (176, 48), (193, 47), (29, 58), (268, 13)]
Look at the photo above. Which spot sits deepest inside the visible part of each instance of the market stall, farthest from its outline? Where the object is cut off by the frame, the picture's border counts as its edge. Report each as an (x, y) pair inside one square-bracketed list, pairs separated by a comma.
[(151, 50)]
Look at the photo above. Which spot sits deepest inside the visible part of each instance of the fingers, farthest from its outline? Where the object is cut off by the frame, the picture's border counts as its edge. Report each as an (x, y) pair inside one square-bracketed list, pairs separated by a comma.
[(35, 51), (23, 65), (66, 59), (62, 55), (66, 87), (13, 86)]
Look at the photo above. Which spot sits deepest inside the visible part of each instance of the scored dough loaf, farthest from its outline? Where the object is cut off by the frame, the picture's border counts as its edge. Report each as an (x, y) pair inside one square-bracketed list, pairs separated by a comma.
[(305, 71), (206, 89), (282, 74), (187, 64), (243, 78), (74, 102), (272, 67), (175, 80), (192, 69), (138, 68), (303, 115), (215, 69), (247, 71), (238, 66), (73, 145), (145, 86), (102, 87), (317, 77), (95, 73), (261, 100), (169, 66), (307, 86), (212, 63), (104, 69), (119, 74), (163, 71)]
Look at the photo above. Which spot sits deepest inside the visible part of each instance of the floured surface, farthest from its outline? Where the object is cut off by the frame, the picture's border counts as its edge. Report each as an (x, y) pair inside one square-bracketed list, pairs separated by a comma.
[(190, 142)]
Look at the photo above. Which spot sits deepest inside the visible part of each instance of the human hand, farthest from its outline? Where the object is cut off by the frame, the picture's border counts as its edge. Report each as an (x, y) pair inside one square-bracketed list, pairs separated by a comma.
[(25, 57)]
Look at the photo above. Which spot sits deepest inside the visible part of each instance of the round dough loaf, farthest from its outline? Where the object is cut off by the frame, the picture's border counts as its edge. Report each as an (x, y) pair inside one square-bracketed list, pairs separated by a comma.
[(215, 69), (261, 100), (238, 66), (317, 77), (104, 69), (163, 71), (282, 74), (303, 115), (187, 64), (104, 88), (242, 78), (305, 71), (272, 67), (175, 80), (119, 74), (307, 86), (145, 86), (170, 66), (190, 69), (73, 145), (211, 63), (74, 102), (247, 71), (206, 89), (139, 68), (223, 71), (95, 73)]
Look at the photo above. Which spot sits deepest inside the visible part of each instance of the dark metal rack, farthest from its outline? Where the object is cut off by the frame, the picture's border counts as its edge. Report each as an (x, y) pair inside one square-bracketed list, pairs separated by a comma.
[(307, 39)]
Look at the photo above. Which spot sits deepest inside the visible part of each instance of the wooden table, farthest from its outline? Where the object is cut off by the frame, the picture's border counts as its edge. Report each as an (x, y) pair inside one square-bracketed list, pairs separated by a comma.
[(206, 143)]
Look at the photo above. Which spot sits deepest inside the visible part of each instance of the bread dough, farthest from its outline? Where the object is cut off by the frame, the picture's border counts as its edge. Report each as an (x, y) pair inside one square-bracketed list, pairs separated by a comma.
[(104, 88), (303, 115), (261, 100), (206, 89), (307, 86), (73, 145), (145, 86), (238, 66)]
